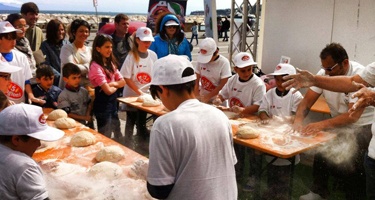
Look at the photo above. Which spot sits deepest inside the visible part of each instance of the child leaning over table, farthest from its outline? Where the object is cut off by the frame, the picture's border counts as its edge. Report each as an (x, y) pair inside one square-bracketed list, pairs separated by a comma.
[(74, 98), (284, 103), (45, 92), (244, 90)]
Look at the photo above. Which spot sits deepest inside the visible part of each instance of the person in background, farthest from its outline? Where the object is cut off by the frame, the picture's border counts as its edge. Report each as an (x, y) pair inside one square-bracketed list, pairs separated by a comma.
[(6, 71), (225, 28), (51, 47), (121, 38), (194, 32), (335, 62), (213, 71), (20, 84), (77, 52), (136, 71), (34, 34), (22, 43), (74, 99), (45, 92), (106, 79), (245, 91), (22, 127), (279, 102), (184, 158), (169, 39)]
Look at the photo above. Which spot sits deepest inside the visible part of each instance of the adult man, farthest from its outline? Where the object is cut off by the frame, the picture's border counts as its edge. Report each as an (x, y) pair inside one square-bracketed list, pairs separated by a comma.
[(225, 28), (121, 38), (21, 79), (5, 73), (335, 62), (185, 161), (21, 176), (34, 34)]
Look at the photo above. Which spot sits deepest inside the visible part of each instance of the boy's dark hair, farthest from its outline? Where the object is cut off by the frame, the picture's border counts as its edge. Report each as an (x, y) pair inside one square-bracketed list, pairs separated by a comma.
[(4, 102), (178, 88), (120, 17), (11, 18), (44, 70), (336, 51), (9, 36), (29, 7), (52, 29), (70, 69), (8, 138)]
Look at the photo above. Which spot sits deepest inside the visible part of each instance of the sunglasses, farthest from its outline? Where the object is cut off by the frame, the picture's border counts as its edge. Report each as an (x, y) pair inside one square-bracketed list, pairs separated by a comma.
[(329, 69), (172, 27), (5, 76)]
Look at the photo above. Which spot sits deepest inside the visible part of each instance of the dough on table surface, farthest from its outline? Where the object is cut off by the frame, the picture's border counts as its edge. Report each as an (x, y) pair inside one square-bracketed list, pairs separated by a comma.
[(110, 153), (65, 123), (247, 132), (144, 97), (82, 139), (150, 103), (57, 114), (280, 139), (107, 170)]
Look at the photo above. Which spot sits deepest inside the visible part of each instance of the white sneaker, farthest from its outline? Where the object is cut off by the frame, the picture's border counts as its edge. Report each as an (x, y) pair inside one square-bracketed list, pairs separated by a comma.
[(311, 196)]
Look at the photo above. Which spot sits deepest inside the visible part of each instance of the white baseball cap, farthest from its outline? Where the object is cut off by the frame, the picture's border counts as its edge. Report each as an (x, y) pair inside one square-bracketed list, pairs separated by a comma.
[(144, 34), (25, 119), (283, 69), (243, 59), (168, 70), (171, 23), (207, 49), (5, 67), (6, 27)]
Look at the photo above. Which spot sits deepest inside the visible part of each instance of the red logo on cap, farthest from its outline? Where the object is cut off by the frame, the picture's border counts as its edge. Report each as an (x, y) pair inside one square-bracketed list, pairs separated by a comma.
[(42, 119), (245, 58), (203, 52), (278, 67), (146, 32), (8, 25)]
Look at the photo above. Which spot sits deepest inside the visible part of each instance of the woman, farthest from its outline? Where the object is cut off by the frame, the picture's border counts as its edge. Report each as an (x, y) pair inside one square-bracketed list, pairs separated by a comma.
[(22, 43), (51, 47), (77, 52), (170, 39)]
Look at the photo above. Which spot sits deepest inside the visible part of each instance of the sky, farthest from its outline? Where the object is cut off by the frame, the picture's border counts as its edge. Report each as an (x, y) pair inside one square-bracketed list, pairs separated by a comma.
[(137, 6)]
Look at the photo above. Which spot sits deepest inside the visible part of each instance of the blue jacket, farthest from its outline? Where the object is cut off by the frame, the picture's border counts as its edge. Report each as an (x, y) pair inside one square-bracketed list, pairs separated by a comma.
[(160, 47)]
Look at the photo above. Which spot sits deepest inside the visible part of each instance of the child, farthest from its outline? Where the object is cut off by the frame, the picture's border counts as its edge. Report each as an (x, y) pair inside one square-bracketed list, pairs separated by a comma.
[(74, 99), (105, 77), (244, 91), (137, 73), (213, 71), (279, 102), (45, 93)]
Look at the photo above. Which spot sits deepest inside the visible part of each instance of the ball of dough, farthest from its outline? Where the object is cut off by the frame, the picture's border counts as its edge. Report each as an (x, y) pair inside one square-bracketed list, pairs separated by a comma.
[(57, 114), (247, 132), (142, 97), (280, 140), (82, 139), (110, 153), (65, 123), (107, 170), (150, 103)]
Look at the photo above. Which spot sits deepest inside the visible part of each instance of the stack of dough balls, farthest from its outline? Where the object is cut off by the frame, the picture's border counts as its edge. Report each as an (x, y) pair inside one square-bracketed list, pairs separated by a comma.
[(110, 153), (82, 139), (247, 132), (106, 170), (65, 123), (148, 101), (57, 114)]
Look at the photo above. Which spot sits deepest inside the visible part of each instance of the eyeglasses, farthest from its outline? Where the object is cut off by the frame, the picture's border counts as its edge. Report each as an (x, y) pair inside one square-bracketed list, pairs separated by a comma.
[(22, 26), (5, 76), (329, 69)]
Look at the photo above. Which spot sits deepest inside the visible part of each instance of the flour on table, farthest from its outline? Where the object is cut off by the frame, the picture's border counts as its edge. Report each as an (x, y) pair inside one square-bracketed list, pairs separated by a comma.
[(107, 170)]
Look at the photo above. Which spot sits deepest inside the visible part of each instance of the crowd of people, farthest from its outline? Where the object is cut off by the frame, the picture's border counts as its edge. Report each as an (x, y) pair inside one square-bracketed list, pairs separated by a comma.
[(184, 158)]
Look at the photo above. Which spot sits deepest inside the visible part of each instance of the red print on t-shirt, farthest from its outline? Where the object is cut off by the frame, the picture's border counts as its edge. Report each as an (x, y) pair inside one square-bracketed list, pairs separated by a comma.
[(14, 91), (143, 78), (235, 102), (207, 84)]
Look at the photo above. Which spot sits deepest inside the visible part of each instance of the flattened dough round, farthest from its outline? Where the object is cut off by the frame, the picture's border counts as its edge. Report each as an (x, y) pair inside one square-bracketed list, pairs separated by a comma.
[(280, 140), (247, 132), (57, 114), (110, 153), (107, 170), (82, 139), (65, 123), (151, 103)]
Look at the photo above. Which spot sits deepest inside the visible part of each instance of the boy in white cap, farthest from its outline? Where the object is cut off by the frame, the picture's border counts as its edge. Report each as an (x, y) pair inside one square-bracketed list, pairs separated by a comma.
[(21, 79), (185, 161), (213, 71), (284, 103), (21, 176), (5, 74)]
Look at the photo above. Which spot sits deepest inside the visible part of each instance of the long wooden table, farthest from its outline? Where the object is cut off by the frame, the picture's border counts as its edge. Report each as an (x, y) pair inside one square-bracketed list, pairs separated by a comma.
[(321, 106)]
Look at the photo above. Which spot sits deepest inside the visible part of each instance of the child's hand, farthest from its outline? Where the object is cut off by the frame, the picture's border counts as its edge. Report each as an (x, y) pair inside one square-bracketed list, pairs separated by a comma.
[(237, 109), (217, 101), (38, 101)]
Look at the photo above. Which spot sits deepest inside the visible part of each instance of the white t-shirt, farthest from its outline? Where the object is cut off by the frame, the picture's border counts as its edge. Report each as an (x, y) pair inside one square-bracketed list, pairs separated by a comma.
[(211, 74), (192, 148), (139, 73), (338, 102), (243, 94), (21, 176), (16, 90)]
